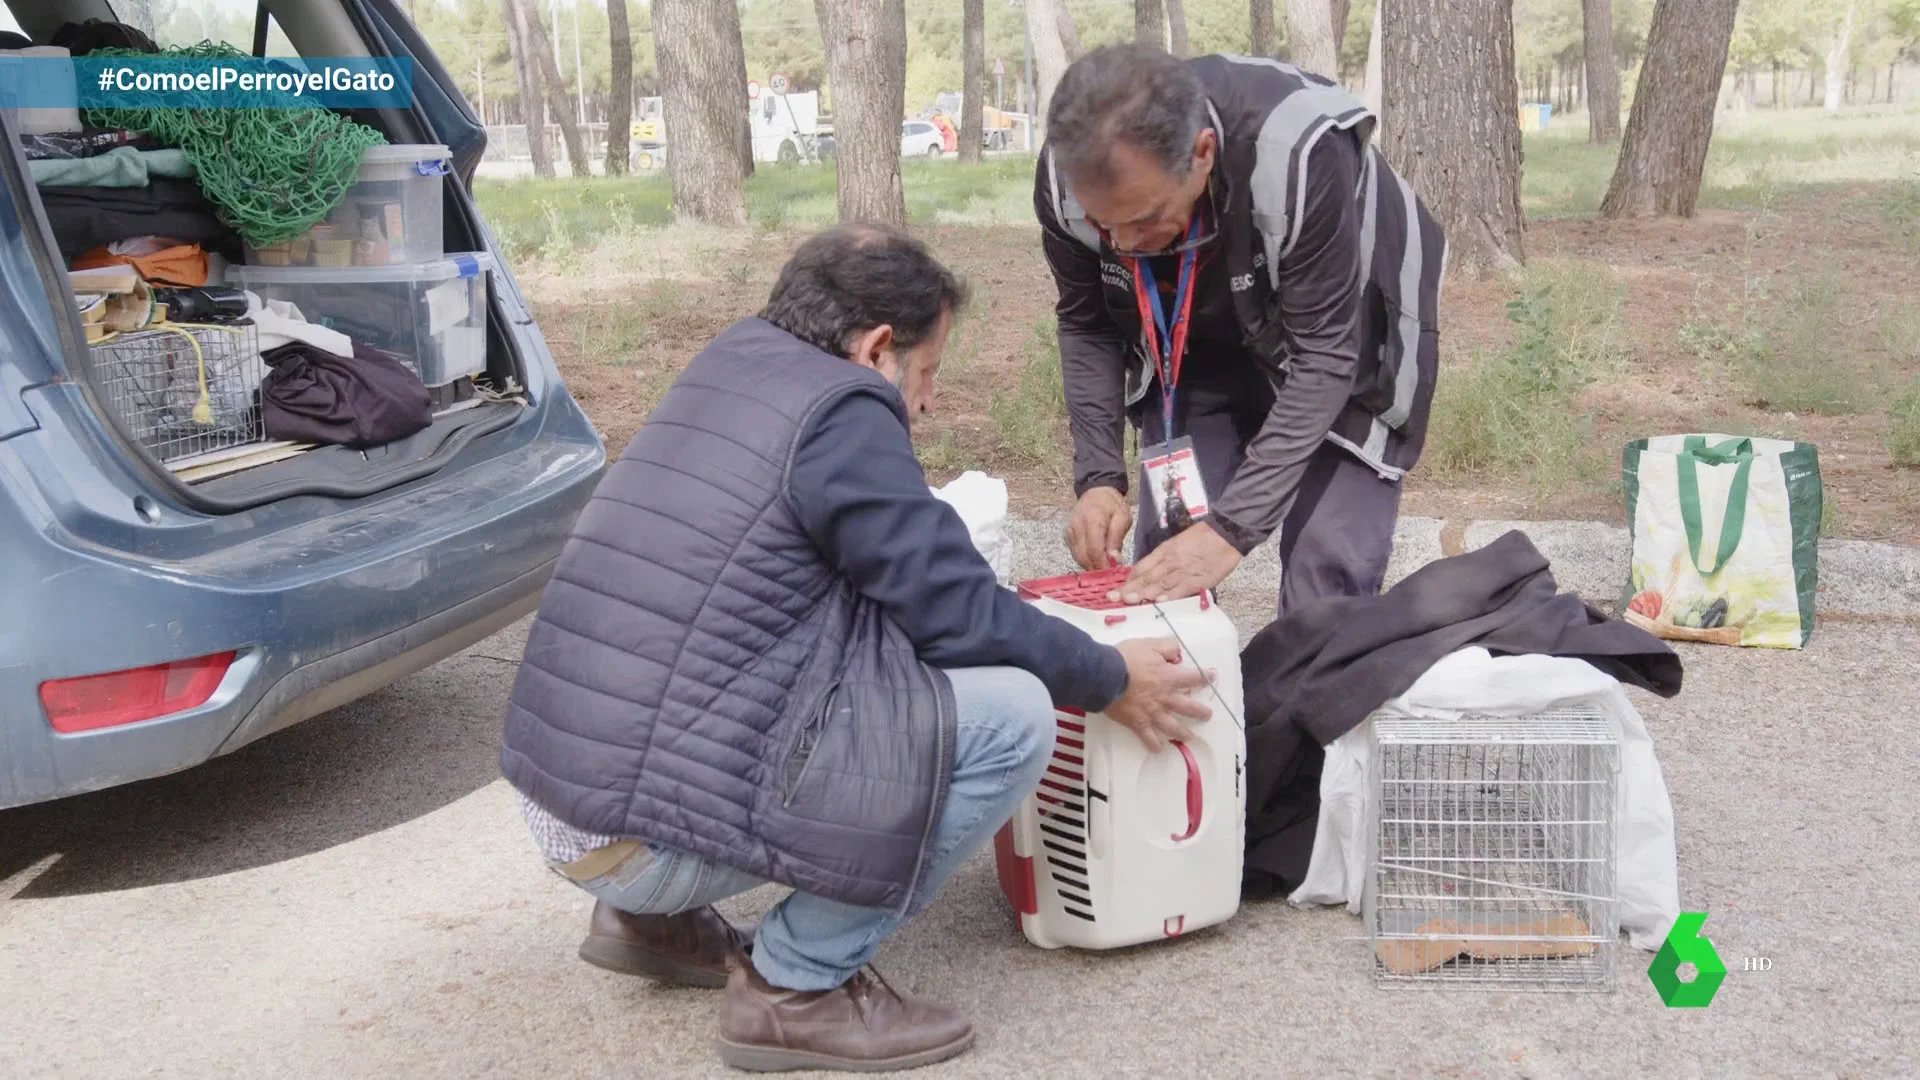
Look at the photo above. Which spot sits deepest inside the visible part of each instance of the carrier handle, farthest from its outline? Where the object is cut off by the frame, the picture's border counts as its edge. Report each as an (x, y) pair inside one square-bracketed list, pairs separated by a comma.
[(1195, 797)]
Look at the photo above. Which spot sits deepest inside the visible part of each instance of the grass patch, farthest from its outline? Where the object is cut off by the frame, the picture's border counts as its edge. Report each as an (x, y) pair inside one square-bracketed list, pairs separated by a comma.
[(1792, 356), (1829, 517), (1751, 158), (1563, 174), (1030, 420), (553, 218), (1903, 427), (945, 457), (1510, 415)]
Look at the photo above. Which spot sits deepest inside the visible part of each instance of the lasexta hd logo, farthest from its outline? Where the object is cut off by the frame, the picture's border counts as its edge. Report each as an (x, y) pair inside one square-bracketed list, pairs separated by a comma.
[(1686, 945)]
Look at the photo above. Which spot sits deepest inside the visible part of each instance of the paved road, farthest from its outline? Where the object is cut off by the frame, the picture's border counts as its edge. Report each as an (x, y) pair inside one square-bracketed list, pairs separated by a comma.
[(356, 897)]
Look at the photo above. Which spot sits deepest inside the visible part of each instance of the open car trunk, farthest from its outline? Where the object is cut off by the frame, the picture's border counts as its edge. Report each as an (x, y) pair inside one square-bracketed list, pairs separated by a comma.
[(184, 402)]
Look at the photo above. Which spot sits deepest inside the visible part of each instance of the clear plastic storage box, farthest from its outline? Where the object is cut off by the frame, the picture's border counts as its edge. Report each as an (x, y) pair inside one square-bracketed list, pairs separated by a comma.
[(433, 314), (390, 217)]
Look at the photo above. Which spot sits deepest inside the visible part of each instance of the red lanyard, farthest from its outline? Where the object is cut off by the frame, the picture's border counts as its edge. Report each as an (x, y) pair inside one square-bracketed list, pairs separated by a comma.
[(1167, 357)]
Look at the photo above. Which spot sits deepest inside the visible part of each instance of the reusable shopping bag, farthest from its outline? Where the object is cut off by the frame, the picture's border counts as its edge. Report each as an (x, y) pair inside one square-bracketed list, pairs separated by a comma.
[(1726, 536)]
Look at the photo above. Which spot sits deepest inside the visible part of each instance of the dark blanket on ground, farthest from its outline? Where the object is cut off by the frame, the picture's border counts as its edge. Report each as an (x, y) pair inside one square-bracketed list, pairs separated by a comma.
[(1318, 673)]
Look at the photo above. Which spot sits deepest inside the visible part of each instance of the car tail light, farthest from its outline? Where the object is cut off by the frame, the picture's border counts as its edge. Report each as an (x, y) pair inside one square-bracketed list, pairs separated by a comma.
[(128, 697)]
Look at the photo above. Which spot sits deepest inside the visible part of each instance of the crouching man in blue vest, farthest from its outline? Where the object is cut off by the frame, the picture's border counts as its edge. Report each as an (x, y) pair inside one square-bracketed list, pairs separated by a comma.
[(769, 653), (1244, 279)]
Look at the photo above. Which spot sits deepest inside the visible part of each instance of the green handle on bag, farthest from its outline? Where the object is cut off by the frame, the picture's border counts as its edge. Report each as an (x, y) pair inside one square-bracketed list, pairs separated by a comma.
[(1724, 454), (1687, 463)]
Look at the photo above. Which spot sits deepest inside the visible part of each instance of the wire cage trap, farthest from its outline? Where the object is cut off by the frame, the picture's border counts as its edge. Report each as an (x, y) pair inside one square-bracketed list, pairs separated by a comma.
[(1493, 852), (183, 390)]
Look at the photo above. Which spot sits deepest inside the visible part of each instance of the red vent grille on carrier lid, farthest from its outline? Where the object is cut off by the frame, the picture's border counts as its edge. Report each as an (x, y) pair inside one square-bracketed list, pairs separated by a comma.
[(1088, 591)]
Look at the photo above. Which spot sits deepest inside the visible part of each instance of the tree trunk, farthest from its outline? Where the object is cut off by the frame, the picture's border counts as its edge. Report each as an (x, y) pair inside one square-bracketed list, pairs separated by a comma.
[(1260, 37), (1837, 61), (1665, 149), (1049, 59), (533, 111), (620, 92), (1339, 9), (1373, 69), (867, 62), (1455, 138), (557, 98), (1310, 37), (1070, 35), (973, 75), (702, 102), (1176, 27), (1149, 23)]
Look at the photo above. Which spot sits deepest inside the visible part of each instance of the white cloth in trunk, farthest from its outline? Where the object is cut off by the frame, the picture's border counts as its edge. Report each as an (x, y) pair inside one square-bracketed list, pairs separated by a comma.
[(279, 323)]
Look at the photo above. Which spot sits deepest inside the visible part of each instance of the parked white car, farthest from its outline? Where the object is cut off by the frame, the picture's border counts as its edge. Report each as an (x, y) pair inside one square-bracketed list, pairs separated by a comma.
[(919, 138)]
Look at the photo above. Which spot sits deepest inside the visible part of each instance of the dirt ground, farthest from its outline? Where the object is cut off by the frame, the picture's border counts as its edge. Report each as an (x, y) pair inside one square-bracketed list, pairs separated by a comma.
[(621, 335)]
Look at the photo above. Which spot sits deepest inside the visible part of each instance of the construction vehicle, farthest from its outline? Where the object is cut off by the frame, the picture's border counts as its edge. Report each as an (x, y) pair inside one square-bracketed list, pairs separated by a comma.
[(783, 127), (998, 128), (649, 134)]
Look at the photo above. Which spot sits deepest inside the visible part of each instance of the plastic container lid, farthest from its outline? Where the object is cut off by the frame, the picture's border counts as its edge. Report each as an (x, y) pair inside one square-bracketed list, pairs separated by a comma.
[(403, 159), (453, 266), (400, 153)]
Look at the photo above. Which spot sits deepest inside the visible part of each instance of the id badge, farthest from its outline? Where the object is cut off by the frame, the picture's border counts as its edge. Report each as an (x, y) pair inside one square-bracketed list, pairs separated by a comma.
[(1172, 469)]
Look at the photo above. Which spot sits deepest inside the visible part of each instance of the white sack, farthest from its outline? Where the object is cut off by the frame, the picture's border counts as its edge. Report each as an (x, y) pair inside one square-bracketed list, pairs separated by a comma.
[(1475, 681), (981, 502)]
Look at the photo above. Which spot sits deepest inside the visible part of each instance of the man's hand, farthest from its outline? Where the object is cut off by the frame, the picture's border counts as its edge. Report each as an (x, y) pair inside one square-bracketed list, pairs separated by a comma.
[(1100, 522), (1156, 697), (1187, 565)]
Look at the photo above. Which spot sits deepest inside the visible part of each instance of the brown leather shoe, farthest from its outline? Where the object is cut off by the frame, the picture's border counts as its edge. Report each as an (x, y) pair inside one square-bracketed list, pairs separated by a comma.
[(862, 1026), (688, 949)]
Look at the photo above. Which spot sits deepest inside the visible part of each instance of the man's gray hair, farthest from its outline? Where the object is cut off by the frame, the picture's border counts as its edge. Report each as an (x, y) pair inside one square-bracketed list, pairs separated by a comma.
[(1134, 94)]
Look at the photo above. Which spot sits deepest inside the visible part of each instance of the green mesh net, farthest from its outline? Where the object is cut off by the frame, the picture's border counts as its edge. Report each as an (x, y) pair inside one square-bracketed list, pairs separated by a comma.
[(274, 173)]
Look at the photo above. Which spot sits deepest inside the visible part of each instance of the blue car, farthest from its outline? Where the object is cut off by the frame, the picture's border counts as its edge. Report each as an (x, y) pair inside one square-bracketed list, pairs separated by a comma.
[(151, 624)]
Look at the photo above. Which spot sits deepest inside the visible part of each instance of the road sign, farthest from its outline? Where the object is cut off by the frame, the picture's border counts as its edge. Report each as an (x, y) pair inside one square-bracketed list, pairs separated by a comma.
[(999, 66), (753, 89), (778, 83)]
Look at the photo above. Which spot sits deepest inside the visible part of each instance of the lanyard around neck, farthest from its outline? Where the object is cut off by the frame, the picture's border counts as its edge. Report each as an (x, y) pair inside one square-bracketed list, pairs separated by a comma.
[(1167, 344)]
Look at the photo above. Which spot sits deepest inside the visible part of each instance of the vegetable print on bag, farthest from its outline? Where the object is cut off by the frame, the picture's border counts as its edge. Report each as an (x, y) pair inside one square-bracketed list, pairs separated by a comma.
[(1725, 539)]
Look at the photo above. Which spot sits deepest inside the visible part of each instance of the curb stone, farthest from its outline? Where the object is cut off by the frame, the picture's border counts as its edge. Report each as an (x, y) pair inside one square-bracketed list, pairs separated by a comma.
[(1589, 558)]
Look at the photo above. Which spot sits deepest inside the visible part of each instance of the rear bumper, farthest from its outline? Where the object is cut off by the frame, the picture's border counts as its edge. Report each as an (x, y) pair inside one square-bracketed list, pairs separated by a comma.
[(433, 571), (329, 683)]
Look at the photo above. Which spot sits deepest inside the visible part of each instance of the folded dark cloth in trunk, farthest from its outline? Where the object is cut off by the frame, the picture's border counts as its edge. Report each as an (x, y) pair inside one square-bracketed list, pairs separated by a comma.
[(369, 399), (84, 218), (1321, 671)]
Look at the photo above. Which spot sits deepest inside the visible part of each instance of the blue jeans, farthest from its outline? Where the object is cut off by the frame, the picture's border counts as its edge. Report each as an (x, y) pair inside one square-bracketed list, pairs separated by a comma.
[(1005, 737)]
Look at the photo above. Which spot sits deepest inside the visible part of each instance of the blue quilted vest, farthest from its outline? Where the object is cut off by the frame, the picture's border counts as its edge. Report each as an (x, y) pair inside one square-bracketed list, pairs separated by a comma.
[(699, 678)]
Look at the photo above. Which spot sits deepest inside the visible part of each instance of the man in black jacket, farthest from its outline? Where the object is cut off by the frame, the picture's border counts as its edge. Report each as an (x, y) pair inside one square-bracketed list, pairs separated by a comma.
[(1243, 277), (770, 653)]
